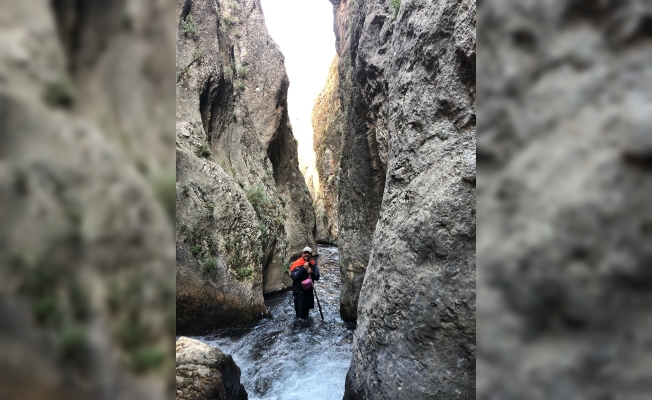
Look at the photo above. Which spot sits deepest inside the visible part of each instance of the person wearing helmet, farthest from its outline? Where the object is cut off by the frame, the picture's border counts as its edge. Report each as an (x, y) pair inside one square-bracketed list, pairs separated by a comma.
[(301, 271)]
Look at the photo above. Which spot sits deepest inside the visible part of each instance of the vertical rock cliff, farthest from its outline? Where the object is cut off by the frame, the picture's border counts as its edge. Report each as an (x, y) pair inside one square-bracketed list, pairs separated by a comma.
[(565, 167), (115, 54), (328, 124), (86, 259), (406, 198), (242, 205), (360, 178)]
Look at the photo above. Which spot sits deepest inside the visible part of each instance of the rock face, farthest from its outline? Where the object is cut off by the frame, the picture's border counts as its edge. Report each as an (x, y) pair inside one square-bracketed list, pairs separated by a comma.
[(360, 178), (86, 276), (406, 209), (328, 124), (242, 205), (205, 373), (564, 156), (120, 56)]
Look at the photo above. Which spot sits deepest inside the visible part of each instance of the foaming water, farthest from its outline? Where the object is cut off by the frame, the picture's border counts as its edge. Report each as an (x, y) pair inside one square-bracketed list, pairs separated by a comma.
[(284, 358)]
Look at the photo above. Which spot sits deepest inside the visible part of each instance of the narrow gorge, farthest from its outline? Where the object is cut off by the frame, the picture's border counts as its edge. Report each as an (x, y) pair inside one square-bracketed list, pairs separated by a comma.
[(394, 135)]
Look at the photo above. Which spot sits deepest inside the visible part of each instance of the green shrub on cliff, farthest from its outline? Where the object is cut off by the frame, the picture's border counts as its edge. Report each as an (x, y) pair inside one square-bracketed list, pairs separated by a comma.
[(395, 5), (196, 250), (258, 200), (210, 266), (147, 358), (46, 311), (263, 229), (229, 21), (164, 186), (212, 246), (197, 55), (243, 72), (73, 342), (243, 273), (235, 261), (203, 151), (59, 94), (199, 241), (189, 28)]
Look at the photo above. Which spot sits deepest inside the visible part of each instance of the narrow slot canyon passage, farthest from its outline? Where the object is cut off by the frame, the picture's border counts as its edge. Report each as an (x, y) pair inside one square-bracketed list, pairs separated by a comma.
[(304, 32), (284, 357)]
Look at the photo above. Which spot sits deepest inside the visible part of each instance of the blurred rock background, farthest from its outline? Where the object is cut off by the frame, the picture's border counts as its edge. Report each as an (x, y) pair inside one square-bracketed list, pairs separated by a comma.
[(564, 187), (87, 192)]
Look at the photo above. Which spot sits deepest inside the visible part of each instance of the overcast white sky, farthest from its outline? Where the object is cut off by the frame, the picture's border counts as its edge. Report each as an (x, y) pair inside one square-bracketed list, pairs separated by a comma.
[(304, 31)]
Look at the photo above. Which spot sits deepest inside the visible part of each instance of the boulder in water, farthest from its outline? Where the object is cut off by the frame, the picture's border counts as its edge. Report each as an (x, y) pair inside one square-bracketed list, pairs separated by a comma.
[(204, 372)]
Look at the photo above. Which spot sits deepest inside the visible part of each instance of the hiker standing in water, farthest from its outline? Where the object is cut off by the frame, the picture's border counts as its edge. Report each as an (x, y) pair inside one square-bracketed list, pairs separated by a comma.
[(301, 270)]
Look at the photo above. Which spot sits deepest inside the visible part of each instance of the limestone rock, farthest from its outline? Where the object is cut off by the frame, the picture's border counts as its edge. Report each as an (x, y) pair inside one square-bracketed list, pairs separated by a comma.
[(86, 249), (563, 200), (360, 178), (219, 273), (205, 373), (328, 124), (120, 55), (407, 196), (239, 183)]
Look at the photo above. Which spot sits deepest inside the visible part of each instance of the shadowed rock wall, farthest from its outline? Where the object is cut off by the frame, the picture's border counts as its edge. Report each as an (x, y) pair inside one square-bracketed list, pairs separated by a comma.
[(406, 200), (564, 194)]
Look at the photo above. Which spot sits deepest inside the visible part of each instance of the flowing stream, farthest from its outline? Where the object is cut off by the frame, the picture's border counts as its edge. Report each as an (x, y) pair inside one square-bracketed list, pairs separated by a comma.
[(285, 358)]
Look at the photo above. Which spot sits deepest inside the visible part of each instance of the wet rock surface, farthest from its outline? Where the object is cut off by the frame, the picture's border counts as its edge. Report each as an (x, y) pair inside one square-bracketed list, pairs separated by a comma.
[(243, 207), (206, 373), (406, 208)]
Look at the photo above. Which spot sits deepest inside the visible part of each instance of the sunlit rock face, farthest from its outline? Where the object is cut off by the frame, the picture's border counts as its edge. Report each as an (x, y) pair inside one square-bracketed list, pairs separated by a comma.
[(243, 207), (328, 124), (406, 196)]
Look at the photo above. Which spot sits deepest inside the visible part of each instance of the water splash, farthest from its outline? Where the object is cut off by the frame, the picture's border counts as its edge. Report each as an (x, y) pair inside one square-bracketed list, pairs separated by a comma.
[(285, 358)]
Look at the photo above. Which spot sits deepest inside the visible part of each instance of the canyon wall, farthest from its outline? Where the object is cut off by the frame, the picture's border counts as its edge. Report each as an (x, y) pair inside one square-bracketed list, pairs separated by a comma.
[(356, 137), (406, 195), (564, 194), (120, 55), (86, 258), (328, 124), (243, 207)]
